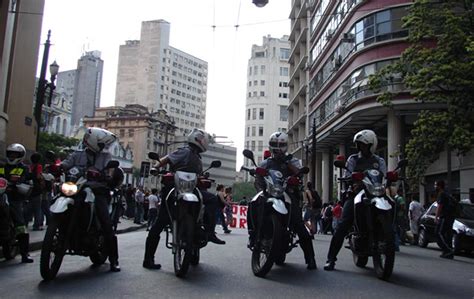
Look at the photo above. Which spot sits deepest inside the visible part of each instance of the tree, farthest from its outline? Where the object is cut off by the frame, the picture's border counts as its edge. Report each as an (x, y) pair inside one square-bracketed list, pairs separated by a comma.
[(55, 142), (240, 190), (437, 67)]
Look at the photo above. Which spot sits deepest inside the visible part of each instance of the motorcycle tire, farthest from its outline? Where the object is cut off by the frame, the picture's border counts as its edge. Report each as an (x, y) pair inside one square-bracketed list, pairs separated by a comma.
[(268, 247), (52, 252), (99, 257), (384, 253), (195, 257), (10, 250), (183, 243), (280, 260), (360, 260), (422, 238)]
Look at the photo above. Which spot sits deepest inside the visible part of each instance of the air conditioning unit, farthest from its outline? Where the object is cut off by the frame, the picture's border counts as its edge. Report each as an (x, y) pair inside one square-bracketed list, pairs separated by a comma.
[(348, 38)]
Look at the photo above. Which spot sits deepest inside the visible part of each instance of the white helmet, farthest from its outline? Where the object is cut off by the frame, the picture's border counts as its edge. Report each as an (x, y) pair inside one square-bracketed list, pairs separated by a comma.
[(367, 137), (199, 138), (96, 139), (278, 143), (15, 153)]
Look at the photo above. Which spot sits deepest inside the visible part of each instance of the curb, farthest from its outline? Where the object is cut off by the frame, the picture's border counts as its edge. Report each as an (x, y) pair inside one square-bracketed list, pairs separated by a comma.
[(34, 246)]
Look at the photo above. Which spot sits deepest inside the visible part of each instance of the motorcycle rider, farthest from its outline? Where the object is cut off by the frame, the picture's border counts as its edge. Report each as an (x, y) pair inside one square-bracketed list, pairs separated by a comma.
[(17, 173), (279, 160), (186, 159), (366, 143), (95, 140)]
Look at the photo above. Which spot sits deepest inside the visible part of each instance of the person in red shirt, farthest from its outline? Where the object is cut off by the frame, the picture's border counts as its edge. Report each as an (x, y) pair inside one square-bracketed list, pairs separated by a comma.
[(336, 215), (36, 171)]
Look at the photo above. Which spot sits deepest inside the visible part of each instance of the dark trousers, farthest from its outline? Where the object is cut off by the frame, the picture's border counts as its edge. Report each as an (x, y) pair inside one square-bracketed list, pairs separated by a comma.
[(37, 211), (220, 218), (110, 240), (45, 204), (444, 231), (152, 213), (342, 229)]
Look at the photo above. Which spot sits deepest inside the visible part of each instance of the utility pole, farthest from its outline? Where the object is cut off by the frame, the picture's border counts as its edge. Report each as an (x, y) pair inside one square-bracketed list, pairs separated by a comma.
[(313, 153)]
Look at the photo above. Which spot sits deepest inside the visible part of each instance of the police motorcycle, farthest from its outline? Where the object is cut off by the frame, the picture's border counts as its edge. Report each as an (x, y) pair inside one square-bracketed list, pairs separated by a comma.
[(186, 211), (374, 217), (74, 228), (273, 238)]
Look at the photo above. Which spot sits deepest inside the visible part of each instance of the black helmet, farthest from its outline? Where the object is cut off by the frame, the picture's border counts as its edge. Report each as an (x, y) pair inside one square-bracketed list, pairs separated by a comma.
[(114, 177)]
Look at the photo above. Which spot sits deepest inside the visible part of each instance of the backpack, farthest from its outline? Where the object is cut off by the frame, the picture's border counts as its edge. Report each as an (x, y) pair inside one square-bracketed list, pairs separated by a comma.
[(328, 212), (317, 202)]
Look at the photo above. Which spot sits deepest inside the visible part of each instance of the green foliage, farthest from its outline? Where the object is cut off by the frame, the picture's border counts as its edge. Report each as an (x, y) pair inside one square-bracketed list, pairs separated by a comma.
[(239, 190), (55, 142), (437, 68)]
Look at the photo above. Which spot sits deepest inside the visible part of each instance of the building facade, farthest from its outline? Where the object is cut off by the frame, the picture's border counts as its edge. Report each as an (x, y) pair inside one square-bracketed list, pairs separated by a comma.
[(19, 47), (153, 74), (87, 86), (225, 174), (331, 58), (267, 93), (137, 128)]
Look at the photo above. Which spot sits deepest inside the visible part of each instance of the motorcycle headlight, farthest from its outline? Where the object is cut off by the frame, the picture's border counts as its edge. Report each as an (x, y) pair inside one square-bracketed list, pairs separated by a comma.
[(275, 191), (376, 189), (69, 189), (186, 186)]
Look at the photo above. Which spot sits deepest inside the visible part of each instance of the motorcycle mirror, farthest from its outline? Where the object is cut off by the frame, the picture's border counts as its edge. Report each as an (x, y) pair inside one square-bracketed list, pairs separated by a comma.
[(153, 156), (154, 171), (340, 164), (392, 176), (357, 176), (249, 155), (304, 170), (261, 171), (216, 164), (113, 164), (402, 163)]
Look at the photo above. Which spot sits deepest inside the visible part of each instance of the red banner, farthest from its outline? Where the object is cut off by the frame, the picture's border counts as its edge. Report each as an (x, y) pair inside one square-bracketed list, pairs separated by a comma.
[(239, 216)]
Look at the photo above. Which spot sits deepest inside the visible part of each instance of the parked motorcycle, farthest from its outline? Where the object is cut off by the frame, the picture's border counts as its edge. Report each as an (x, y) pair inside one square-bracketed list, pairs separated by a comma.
[(74, 228), (7, 228), (186, 210), (374, 215), (273, 238)]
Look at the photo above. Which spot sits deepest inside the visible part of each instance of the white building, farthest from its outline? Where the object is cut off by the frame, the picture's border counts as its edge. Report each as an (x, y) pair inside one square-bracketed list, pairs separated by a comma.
[(154, 74), (225, 174), (267, 93)]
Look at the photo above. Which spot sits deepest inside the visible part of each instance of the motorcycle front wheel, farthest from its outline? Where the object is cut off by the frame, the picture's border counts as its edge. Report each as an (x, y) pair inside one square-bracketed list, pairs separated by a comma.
[(52, 252), (195, 255), (100, 256), (359, 260), (268, 247), (182, 235), (384, 253)]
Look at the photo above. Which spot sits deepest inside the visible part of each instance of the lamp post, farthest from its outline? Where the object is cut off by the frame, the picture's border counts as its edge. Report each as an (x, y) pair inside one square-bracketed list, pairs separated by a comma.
[(43, 84)]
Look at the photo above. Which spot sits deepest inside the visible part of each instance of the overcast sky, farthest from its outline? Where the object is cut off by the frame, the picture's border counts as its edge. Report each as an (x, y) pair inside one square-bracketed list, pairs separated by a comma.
[(78, 25)]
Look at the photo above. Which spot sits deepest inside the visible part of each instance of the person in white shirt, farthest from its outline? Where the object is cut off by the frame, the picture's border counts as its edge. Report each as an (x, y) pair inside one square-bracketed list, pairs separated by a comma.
[(153, 206), (415, 210), (139, 200)]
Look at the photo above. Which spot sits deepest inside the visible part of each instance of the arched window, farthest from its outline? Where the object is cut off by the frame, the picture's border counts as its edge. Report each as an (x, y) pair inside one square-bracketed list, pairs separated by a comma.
[(58, 124), (64, 127)]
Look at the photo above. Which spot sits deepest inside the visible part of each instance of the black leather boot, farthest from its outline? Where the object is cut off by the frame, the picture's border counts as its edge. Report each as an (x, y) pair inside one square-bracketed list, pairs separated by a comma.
[(150, 249), (113, 256), (24, 243)]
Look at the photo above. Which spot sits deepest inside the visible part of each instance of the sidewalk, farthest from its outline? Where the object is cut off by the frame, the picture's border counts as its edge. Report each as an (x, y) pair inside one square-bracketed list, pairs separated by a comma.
[(125, 226)]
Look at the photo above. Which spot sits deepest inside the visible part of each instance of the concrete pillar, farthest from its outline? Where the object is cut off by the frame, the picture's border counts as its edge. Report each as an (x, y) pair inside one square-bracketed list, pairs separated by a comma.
[(319, 182), (340, 172), (326, 177), (393, 139)]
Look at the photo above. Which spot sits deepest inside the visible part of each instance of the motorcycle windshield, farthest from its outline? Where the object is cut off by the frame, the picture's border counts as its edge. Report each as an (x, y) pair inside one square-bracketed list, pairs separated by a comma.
[(276, 183), (373, 182)]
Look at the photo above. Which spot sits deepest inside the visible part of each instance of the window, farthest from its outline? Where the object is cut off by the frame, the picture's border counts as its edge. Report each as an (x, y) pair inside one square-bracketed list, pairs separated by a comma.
[(262, 93), (255, 70), (261, 113), (260, 146), (283, 71), (122, 133), (262, 69), (253, 146), (262, 82), (248, 131), (284, 53), (130, 132), (255, 83), (259, 54), (248, 114), (250, 83), (260, 131), (254, 129), (283, 113), (254, 113)]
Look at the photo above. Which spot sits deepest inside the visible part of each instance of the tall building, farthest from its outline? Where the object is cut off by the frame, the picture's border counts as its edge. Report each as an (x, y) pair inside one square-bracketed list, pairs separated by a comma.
[(332, 56), (267, 93), (154, 74), (87, 86), (225, 174), (19, 47)]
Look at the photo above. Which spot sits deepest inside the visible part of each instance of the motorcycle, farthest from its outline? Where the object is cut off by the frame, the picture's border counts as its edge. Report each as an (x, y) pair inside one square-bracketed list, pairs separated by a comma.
[(74, 228), (7, 228), (186, 210), (273, 238), (373, 232)]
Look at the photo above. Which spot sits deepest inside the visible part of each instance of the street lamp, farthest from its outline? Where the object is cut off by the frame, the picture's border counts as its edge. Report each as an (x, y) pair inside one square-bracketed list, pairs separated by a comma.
[(43, 84), (260, 3)]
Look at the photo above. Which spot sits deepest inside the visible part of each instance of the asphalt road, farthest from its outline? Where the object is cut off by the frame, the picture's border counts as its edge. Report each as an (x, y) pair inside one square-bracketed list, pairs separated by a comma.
[(224, 272)]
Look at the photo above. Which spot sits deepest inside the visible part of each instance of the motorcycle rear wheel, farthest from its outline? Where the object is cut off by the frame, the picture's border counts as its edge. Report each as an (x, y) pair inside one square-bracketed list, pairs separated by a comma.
[(384, 253), (360, 260), (52, 252), (183, 245), (268, 248)]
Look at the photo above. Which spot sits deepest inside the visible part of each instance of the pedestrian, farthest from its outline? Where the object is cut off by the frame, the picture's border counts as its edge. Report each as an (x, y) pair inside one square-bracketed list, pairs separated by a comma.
[(36, 172), (243, 201), (327, 218), (445, 214), (130, 201), (139, 200), (146, 205), (415, 210), (400, 219), (221, 204), (154, 204), (229, 204), (313, 205), (336, 215)]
